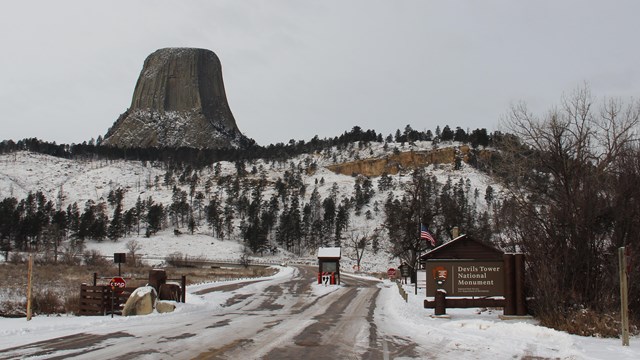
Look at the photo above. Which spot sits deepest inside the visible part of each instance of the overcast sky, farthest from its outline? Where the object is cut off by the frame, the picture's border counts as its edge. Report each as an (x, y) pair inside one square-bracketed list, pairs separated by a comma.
[(299, 68)]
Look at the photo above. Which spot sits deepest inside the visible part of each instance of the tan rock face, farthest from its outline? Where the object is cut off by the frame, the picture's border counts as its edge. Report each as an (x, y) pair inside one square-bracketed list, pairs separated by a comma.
[(179, 100), (402, 161)]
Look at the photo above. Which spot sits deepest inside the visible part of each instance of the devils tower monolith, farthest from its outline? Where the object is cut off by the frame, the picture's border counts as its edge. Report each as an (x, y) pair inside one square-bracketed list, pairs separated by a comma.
[(179, 100)]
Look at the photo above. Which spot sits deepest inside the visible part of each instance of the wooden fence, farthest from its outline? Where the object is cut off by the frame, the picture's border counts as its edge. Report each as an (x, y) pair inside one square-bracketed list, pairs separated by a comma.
[(96, 300)]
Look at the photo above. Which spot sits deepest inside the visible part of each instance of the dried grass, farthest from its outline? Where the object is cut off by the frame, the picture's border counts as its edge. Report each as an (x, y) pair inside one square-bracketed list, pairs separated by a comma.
[(587, 322), (56, 287)]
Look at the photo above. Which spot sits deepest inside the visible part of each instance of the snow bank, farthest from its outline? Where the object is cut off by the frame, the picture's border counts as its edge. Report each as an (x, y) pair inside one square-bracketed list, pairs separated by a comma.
[(481, 334)]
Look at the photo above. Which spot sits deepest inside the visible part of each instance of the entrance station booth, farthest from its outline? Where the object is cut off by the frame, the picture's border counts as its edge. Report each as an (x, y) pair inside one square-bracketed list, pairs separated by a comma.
[(329, 265)]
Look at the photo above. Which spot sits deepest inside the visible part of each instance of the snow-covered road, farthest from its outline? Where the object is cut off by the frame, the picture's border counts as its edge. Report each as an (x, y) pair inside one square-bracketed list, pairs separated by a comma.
[(288, 316)]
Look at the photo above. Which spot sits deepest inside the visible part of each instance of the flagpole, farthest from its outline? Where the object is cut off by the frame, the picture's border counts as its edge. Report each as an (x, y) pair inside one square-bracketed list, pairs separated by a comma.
[(419, 239)]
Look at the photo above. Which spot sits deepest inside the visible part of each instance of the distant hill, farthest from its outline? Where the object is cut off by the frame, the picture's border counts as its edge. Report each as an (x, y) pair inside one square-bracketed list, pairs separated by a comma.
[(297, 204)]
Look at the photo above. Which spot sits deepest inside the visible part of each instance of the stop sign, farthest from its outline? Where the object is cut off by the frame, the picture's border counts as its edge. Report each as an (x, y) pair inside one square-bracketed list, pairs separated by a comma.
[(391, 272), (117, 282)]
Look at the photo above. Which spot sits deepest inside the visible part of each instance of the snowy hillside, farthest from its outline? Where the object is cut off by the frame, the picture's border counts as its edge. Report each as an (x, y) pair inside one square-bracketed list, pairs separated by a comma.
[(65, 182)]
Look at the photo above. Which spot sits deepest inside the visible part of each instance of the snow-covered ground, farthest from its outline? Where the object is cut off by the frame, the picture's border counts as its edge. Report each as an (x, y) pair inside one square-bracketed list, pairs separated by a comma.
[(18, 331), (481, 334), (467, 334), (155, 249)]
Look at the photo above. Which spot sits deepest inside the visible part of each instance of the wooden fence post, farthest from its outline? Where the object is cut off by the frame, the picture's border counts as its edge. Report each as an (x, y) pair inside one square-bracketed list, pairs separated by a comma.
[(29, 285), (521, 300), (624, 305), (184, 288), (441, 303), (509, 286)]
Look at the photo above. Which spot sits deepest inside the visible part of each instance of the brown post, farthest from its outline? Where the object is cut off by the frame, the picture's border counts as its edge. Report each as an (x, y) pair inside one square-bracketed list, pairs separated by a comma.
[(157, 277), (184, 289), (509, 285), (521, 301), (441, 303), (95, 279), (624, 296), (29, 285)]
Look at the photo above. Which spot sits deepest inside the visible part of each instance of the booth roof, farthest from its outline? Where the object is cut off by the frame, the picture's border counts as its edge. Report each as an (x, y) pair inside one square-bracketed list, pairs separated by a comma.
[(329, 252)]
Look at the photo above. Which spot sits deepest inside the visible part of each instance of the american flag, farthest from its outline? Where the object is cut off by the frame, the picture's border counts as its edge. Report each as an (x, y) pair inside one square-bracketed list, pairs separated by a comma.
[(425, 234)]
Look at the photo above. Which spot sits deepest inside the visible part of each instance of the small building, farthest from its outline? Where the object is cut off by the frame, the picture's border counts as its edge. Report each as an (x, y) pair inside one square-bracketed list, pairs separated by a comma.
[(329, 265)]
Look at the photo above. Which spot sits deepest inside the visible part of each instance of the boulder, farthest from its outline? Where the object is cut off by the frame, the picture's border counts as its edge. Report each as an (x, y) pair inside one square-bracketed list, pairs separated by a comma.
[(165, 306), (140, 302)]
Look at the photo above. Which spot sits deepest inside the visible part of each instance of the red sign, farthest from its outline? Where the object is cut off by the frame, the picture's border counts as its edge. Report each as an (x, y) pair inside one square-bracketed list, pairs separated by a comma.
[(440, 272), (117, 282), (391, 272)]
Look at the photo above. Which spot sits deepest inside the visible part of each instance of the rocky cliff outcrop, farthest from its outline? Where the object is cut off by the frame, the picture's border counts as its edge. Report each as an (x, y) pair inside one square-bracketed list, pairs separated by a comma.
[(179, 100), (405, 161)]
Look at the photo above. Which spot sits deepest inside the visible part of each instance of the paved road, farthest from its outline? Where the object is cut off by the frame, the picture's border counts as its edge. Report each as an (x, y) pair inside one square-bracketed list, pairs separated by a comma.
[(285, 320)]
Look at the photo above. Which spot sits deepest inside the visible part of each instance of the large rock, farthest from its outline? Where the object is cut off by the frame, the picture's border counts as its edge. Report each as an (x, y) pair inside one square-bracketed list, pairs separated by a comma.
[(179, 100), (140, 302), (165, 306)]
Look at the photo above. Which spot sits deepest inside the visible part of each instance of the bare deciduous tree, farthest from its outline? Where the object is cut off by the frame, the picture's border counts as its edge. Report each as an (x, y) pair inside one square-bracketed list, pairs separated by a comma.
[(133, 246), (559, 169), (360, 240)]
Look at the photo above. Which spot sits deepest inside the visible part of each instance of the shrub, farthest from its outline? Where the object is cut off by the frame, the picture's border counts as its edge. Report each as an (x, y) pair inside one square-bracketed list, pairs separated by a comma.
[(587, 322), (72, 303), (43, 259), (71, 253), (47, 302), (17, 258), (94, 258), (175, 259), (13, 308), (70, 259), (178, 259)]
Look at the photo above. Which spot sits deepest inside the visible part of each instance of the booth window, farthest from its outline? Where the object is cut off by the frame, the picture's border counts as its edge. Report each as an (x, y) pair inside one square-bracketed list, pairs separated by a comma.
[(330, 266)]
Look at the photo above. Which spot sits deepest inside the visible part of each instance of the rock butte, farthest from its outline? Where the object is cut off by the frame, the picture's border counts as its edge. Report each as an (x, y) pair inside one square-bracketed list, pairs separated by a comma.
[(179, 100)]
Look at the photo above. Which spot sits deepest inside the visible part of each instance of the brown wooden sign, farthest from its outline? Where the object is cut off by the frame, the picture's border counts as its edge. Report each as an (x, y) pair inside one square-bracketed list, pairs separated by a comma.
[(466, 277)]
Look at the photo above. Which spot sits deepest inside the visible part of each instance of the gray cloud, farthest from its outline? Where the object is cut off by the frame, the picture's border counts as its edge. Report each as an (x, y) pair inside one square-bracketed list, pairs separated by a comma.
[(295, 69)]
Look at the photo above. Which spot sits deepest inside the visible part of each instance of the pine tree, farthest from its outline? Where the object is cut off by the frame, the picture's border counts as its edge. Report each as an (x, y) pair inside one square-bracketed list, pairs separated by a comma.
[(214, 217), (139, 213), (342, 222), (116, 227), (155, 217), (228, 221)]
